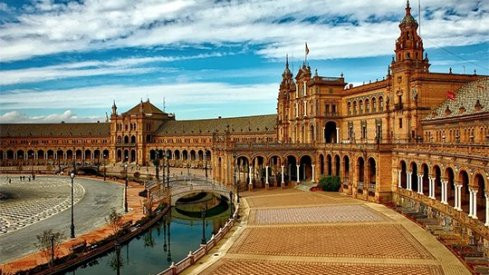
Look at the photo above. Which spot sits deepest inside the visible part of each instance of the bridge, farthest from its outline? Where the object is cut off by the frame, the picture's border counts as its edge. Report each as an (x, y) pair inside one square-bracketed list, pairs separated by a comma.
[(181, 186)]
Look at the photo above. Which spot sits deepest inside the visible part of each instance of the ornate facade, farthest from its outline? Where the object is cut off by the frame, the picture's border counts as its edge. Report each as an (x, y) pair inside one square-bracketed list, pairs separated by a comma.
[(413, 135)]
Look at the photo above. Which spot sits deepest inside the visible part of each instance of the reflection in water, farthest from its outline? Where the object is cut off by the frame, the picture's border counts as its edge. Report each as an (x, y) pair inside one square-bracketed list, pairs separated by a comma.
[(181, 234)]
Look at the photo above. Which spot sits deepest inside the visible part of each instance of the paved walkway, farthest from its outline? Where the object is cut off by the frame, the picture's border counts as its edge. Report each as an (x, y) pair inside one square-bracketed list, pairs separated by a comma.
[(295, 232), (102, 230)]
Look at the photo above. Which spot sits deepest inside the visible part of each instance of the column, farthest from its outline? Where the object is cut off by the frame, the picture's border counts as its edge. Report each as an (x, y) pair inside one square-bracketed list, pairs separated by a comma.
[(471, 202), (487, 210), (443, 192), (458, 196), (420, 184), (313, 180), (282, 183), (324, 137), (409, 182), (474, 203), (250, 172), (298, 173), (399, 180), (266, 177), (337, 135)]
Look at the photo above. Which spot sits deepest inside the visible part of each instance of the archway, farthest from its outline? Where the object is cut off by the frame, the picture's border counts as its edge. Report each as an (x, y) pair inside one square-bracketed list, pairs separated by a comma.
[(69, 154), (169, 154), (10, 154), (463, 179), (50, 154), (60, 155), (126, 155), (119, 155), (372, 173), (243, 170), (96, 154), (184, 155), (337, 165), (192, 155), (305, 171), (133, 155), (106, 154), (126, 139), (200, 155), (258, 171), (330, 132), (329, 164), (414, 176), (403, 175), (321, 164), (40, 154), (20, 155), (30, 154), (481, 199), (426, 179), (291, 169), (208, 155), (88, 155), (437, 174), (177, 155), (346, 169), (78, 154), (133, 139), (275, 170), (360, 175), (449, 175)]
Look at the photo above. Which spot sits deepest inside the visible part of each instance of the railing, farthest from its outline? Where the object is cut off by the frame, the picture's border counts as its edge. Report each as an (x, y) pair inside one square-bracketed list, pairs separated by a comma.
[(472, 150), (195, 256)]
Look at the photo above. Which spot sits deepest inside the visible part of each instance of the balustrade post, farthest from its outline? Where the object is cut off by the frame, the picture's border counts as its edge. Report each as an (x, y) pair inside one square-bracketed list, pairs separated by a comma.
[(313, 173), (487, 210)]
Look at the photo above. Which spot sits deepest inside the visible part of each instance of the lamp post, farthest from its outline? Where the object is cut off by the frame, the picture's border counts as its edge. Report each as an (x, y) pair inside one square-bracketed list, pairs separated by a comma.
[(203, 213), (156, 162), (105, 169), (125, 190), (72, 176), (236, 183), (205, 165), (168, 169)]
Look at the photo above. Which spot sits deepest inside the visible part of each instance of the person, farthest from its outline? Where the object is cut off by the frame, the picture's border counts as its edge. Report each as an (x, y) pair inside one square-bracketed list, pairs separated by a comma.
[(29, 178), (33, 177), (9, 180)]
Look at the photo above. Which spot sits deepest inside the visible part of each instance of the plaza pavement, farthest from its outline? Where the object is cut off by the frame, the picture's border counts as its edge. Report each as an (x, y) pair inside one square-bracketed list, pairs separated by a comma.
[(90, 214), (295, 232)]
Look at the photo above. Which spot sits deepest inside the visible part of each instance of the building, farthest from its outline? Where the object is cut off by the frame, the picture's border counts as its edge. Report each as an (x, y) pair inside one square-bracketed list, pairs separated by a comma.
[(413, 136)]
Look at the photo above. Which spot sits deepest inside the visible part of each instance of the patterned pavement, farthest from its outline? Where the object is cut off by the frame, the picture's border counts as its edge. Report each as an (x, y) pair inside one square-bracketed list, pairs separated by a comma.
[(326, 233), (34, 201)]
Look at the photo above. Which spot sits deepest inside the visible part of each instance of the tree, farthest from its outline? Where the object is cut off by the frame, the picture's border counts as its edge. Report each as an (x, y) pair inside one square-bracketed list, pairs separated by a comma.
[(48, 242), (115, 222)]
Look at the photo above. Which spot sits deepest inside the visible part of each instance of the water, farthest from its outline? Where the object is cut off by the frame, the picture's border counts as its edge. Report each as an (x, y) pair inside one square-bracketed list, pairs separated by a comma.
[(169, 240)]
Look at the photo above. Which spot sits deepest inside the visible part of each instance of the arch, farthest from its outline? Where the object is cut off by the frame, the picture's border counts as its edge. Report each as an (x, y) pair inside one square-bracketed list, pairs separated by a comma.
[(275, 170), (10, 154), (367, 106), (372, 176), (337, 165), (119, 155), (463, 178), (360, 174), (96, 154), (177, 154), (60, 155), (30, 154), (1, 154), (119, 139), (133, 155), (169, 154), (346, 169), (291, 171), (200, 155), (192, 155), (40, 154), (374, 105), (381, 104), (354, 107), (20, 154), (330, 132), (329, 164), (305, 170), (126, 156), (105, 154), (126, 139), (184, 155), (481, 199), (425, 178), (258, 170), (69, 154), (437, 175), (450, 178), (243, 171), (88, 154), (133, 139), (208, 155), (403, 174), (160, 154), (321, 164), (414, 176), (50, 154)]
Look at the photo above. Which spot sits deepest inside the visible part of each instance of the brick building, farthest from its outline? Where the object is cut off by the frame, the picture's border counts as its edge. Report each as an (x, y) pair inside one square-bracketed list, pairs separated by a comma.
[(413, 135)]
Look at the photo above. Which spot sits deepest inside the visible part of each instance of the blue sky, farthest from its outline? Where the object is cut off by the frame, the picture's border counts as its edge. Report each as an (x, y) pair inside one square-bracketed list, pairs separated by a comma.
[(68, 60)]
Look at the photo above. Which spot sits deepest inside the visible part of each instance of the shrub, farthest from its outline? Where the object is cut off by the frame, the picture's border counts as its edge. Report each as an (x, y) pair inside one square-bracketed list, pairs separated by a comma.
[(330, 183)]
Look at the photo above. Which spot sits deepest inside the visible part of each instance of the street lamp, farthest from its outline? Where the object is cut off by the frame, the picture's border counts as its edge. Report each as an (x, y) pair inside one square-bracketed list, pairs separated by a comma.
[(203, 213), (125, 190), (236, 184), (105, 169), (72, 176), (205, 166), (168, 169)]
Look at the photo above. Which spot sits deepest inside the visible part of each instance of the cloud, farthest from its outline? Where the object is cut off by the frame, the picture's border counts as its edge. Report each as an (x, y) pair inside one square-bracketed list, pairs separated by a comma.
[(123, 66), (67, 116), (127, 96), (332, 28)]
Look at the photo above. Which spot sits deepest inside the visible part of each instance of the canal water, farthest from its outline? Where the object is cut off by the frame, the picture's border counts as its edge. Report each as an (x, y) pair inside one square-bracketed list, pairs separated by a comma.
[(169, 240)]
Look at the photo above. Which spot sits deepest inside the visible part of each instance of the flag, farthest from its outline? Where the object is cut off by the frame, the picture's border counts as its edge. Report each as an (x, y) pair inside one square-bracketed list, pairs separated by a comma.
[(451, 95), (307, 49)]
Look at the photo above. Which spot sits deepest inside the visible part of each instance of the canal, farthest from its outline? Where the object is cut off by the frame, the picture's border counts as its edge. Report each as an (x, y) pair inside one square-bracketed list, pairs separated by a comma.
[(169, 240)]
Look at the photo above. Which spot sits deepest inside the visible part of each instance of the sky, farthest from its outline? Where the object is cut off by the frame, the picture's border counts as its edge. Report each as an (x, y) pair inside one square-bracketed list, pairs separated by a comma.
[(69, 60)]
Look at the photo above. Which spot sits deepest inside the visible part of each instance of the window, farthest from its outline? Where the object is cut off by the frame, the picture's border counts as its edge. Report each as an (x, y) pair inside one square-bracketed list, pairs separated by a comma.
[(400, 123)]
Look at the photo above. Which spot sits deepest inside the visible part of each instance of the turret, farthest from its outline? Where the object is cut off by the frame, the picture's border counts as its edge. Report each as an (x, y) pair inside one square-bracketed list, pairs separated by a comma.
[(114, 109)]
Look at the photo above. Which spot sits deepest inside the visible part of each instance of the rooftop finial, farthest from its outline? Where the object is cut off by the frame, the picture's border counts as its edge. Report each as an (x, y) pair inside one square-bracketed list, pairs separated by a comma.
[(408, 8), (287, 61)]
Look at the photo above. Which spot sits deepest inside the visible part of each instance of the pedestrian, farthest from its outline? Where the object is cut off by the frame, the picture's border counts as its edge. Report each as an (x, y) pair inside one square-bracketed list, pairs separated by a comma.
[(29, 178), (9, 180), (33, 177)]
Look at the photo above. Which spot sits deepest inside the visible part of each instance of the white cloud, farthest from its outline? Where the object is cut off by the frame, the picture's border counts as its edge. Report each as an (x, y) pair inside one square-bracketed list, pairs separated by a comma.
[(122, 66), (127, 96), (67, 116), (97, 24)]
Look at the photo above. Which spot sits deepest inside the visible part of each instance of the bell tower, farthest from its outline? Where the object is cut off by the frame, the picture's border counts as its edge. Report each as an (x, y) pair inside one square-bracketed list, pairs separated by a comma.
[(283, 103)]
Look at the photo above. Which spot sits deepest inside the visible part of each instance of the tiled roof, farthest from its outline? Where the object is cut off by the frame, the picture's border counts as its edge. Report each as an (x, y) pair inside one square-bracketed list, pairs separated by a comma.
[(471, 98), (147, 108), (55, 130), (249, 124)]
